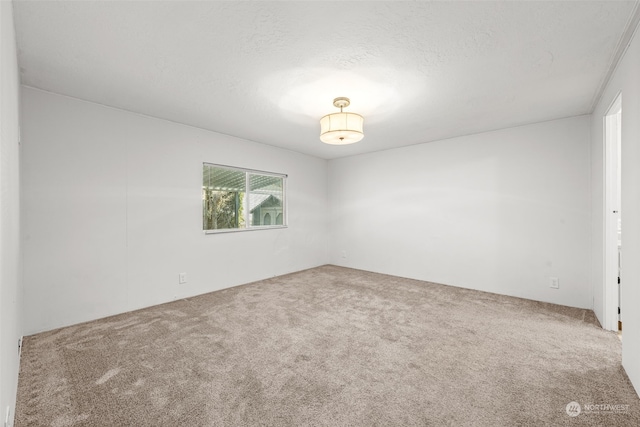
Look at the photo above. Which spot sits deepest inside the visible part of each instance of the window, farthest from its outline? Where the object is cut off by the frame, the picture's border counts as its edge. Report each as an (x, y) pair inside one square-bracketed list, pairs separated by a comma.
[(240, 199)]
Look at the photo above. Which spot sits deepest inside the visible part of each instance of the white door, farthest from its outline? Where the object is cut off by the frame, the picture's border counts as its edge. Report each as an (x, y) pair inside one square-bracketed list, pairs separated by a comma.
[(612, 214)]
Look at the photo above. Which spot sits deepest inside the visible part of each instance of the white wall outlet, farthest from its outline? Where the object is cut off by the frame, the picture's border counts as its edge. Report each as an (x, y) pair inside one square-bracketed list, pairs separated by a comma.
[(343, 254), (554, 283), (182, 278)]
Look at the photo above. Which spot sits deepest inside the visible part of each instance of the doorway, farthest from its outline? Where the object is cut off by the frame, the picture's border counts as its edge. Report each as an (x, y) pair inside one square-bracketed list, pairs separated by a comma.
[(613, 216)]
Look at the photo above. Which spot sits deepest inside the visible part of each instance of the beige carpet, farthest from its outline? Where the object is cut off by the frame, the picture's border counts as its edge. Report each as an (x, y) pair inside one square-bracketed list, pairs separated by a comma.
[(330, 347)]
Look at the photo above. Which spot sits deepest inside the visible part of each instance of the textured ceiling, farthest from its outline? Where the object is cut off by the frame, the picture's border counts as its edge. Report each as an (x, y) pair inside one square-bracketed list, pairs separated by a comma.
[(267, 71)]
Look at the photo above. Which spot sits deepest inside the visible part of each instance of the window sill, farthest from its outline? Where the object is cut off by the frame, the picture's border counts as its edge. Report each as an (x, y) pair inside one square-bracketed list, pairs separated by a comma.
[(240, 230)]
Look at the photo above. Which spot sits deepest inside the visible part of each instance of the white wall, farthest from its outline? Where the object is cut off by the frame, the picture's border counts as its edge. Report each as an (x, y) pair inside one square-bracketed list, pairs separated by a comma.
[(112, 212), (10, 288), (499, 211), (626, 80)]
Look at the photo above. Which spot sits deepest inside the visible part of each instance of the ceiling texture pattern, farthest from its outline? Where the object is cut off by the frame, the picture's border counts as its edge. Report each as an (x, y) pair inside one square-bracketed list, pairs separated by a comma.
[(267, 71)]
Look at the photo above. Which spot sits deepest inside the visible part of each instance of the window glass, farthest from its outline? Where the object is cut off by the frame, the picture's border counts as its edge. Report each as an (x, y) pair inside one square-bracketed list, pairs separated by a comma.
[(234, 198), (266, 198)]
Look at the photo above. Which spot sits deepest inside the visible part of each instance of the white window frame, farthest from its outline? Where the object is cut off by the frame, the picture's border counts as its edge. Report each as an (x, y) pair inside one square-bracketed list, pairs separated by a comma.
[(247, 213)]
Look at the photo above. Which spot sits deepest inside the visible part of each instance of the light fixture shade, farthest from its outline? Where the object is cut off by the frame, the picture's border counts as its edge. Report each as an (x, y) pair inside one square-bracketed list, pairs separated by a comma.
[(341, 128)]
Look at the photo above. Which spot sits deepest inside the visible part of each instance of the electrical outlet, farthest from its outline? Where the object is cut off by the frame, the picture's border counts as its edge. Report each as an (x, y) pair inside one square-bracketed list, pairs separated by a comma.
[(344, 254), (182, 278), (19, 347), (554, 283)]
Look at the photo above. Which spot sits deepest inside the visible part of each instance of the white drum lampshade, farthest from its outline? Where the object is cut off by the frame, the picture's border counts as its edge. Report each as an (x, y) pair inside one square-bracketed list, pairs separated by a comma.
[(341, 128)]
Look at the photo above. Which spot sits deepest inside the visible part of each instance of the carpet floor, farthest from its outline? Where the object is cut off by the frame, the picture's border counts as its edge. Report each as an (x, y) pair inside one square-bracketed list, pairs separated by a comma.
[(330, 346)]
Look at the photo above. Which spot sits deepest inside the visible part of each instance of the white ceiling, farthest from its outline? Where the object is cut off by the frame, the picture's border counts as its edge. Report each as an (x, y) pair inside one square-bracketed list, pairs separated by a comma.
[(267, 71)]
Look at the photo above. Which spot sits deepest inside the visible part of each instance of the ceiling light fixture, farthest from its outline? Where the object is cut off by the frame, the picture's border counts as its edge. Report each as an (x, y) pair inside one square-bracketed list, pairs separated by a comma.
[(341, 128)]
